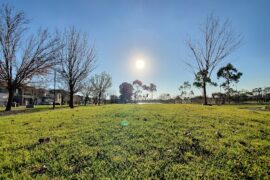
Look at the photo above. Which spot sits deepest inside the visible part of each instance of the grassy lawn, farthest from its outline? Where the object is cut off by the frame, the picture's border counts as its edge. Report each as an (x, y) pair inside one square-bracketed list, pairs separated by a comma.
[(158, 141)]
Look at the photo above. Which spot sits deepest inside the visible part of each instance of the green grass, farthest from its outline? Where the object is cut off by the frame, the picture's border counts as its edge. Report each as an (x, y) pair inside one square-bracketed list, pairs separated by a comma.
[(157, 141)]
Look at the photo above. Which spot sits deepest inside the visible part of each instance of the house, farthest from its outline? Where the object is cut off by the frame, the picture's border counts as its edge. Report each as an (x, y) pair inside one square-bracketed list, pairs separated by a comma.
[(26, 95), (3, 96), (78, 99), (61, 96)]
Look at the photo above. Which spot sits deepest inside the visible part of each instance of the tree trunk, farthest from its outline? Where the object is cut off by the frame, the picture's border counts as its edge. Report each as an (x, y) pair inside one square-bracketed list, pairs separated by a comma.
[(54, 98), (229, 98), (204, 94), (10, 97), (71, 104), (85, 101), (99, 97)]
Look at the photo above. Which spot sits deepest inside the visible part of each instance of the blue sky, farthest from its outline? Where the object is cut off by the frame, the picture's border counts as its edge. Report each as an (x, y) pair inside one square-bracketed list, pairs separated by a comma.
[(156, 31)]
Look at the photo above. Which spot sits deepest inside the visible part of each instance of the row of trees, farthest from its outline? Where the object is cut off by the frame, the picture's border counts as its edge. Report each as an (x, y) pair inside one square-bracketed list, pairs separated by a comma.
[(230, 75), (25, 58), (137, 90), (258, 95), (68, 53), (142, 91)]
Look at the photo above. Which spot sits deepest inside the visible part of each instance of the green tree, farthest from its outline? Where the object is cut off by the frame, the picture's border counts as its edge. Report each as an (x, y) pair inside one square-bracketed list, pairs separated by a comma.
[(185, 92), (126, 92), (138, 87), (152, 89), (231, 75), (266, 93), (258, 93)]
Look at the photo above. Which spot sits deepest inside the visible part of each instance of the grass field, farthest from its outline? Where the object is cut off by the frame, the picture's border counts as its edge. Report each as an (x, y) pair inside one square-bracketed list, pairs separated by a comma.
[(143, 141)]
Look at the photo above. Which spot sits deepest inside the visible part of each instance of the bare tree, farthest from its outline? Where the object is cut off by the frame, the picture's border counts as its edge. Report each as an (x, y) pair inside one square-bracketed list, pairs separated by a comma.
[(19, 65), (100, 83), (77, 61), (218, 42), (86, 92)]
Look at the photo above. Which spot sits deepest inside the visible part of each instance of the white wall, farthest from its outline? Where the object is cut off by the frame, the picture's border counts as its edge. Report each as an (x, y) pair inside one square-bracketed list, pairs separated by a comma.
[(3, 98)]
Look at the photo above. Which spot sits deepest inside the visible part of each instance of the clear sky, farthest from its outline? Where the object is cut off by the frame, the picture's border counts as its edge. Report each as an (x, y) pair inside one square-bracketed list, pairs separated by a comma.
[(156, 31)]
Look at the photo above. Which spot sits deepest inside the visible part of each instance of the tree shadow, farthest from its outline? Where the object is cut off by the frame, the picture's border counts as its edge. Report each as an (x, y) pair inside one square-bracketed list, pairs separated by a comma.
[(25, 110)]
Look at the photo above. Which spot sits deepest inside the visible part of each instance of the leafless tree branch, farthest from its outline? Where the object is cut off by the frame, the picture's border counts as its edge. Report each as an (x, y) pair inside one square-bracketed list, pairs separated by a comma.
[(219, 41), (38, 56), (77, 60)]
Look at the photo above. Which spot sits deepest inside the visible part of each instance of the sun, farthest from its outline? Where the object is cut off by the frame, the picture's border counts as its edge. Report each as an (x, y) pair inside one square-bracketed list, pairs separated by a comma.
[(140, 64)]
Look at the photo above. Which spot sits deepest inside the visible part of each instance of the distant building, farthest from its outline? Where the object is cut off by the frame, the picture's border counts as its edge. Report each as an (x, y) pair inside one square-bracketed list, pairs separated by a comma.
[(3, 96), (30, 95), (61, 96), (27, 95), (78, 99)]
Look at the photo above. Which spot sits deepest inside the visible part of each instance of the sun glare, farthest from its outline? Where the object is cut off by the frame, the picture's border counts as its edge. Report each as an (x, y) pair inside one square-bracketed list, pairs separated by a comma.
[(140, 64)]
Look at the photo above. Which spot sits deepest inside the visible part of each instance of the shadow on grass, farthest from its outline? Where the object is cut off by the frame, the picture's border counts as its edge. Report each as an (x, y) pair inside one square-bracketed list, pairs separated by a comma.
[(256, 108), (24, 110), (193, 147)]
